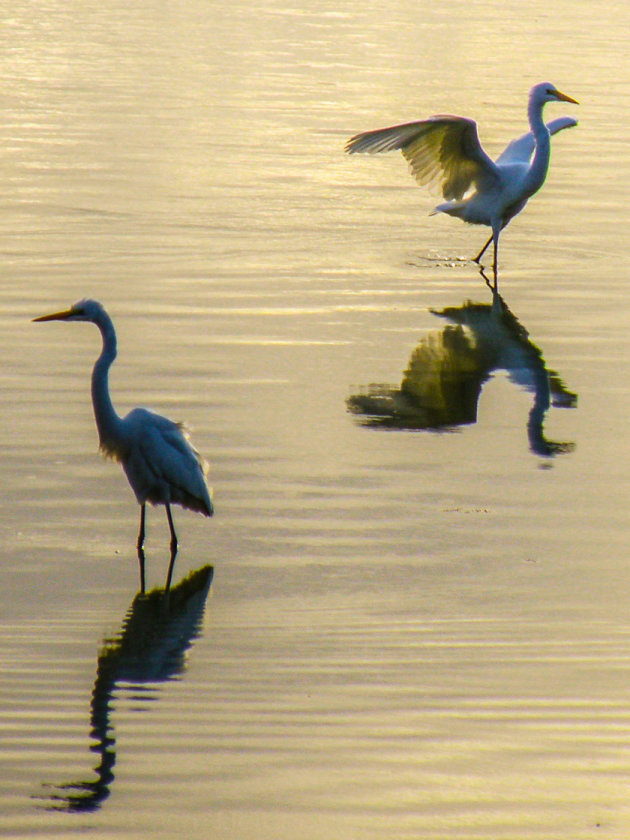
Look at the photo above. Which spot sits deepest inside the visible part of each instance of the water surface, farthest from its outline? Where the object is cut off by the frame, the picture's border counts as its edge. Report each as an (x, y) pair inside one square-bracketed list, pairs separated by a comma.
[(418, 624)]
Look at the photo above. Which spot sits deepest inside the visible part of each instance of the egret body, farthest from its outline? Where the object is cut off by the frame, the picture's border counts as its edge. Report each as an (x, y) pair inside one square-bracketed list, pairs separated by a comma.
[(446, 151), (160, 463)]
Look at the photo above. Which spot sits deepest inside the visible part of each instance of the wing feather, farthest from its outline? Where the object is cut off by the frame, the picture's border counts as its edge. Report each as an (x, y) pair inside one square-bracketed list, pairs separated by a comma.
[(162, 465), (443, 151), (522, 148)]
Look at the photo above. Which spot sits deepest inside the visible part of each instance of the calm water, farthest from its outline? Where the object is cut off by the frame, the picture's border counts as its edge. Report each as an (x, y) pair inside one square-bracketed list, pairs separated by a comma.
[(419, 620)]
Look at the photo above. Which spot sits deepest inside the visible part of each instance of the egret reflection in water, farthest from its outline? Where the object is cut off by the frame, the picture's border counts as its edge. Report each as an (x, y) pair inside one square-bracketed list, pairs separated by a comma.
[(442, 385), (157, 631)]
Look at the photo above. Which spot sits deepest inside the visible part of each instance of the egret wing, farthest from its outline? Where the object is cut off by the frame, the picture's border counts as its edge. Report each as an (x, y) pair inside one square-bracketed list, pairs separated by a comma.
[(521, 149), (163, 457), (442, 150)]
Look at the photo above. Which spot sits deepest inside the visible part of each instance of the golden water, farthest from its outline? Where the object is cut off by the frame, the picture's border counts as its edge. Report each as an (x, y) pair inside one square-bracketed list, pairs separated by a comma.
[(419, 623)]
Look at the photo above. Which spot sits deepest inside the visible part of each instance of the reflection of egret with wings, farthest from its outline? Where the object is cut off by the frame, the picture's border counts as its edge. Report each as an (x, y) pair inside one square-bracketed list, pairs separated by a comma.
[(442, 384), (151, 648)]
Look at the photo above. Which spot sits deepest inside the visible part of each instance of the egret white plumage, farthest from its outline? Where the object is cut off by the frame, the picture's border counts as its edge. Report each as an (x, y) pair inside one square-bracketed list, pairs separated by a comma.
[(159, 461), (446, 151)]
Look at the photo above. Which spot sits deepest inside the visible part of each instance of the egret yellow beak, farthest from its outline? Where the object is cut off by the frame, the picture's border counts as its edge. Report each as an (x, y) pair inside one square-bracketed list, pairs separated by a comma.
[(55, 316), (564, 98)]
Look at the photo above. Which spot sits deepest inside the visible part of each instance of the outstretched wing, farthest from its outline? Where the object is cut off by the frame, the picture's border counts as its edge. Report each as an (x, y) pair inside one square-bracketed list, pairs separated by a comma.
[(521, 149), (442, 150)]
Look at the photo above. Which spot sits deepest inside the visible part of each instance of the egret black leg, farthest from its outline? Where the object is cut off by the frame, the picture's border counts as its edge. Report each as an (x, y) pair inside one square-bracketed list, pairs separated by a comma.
[(140, 546), (495, 266), (174, 547), (169, 516), (140, 542), (483, 250)]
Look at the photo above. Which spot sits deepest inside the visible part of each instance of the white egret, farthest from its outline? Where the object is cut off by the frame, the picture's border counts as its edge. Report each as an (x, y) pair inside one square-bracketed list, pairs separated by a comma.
[(445, 150), (160, 463)]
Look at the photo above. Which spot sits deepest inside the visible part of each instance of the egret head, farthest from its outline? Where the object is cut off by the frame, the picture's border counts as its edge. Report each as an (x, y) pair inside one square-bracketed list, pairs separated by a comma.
[(546, 92), (83, 310)]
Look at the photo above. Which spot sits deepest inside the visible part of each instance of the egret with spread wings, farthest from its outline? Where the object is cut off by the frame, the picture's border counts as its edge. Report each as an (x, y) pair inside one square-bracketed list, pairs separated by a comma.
[(445, 151), (161, 465)]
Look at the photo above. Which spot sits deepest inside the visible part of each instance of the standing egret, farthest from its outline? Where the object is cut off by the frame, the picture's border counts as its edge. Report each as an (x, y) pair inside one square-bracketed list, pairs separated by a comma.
[(160, 463), (446, 150)]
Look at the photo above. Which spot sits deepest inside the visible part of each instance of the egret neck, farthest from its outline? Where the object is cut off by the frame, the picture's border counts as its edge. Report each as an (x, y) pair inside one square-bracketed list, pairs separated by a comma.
[(537, 173), (108, 422)]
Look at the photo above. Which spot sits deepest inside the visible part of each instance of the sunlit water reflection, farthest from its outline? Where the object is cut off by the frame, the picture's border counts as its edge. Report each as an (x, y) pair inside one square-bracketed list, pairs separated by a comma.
[(442, 384), (150, 649), (411, 634)]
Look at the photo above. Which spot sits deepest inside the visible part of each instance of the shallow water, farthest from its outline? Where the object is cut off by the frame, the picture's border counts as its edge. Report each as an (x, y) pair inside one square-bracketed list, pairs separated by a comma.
[(418, 624)]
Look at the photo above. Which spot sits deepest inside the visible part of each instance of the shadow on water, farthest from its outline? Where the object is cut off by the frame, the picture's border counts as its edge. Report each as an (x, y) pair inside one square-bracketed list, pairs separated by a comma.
[(158, 629), (442, 385)]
